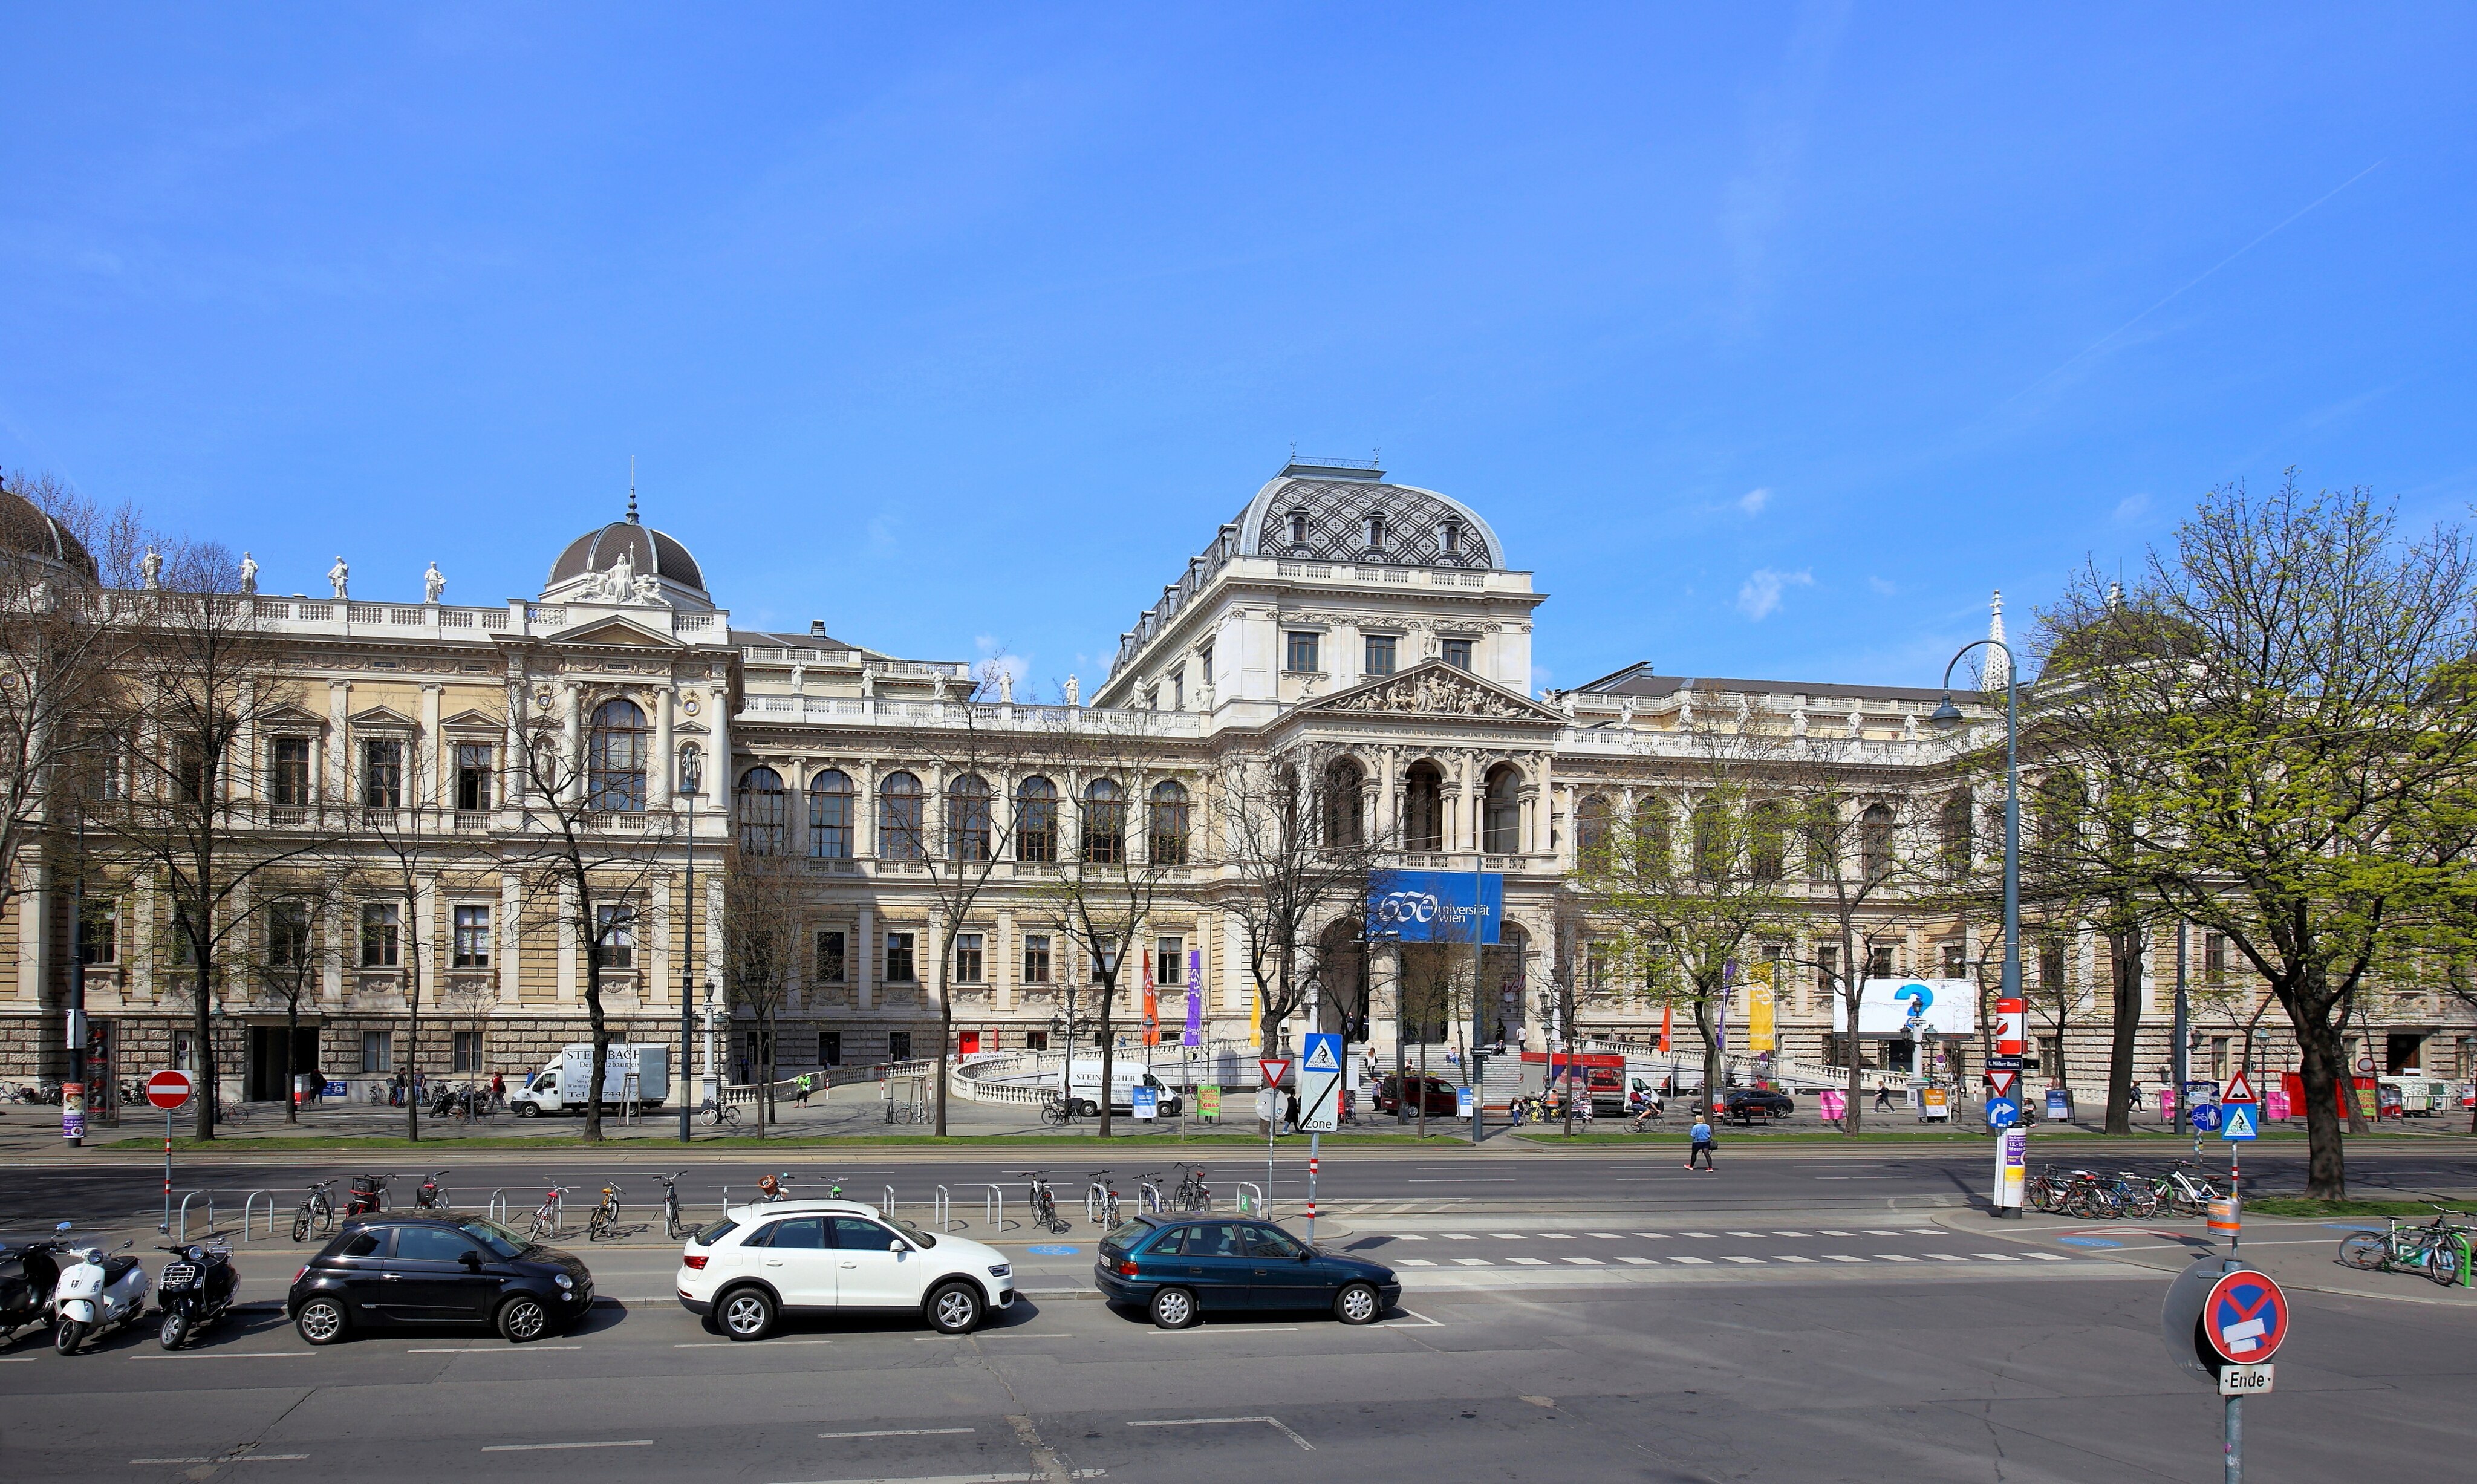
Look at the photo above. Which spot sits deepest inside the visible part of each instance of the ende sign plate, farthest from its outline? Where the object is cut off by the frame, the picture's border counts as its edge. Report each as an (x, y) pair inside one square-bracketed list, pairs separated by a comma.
[(1434, 906)]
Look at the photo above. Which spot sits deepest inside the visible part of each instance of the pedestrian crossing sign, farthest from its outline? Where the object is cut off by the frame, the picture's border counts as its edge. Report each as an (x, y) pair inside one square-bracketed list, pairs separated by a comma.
[(2240, 1125)]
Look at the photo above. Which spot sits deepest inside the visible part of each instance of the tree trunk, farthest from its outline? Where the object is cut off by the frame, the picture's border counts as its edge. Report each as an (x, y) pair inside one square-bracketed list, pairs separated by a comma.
[(412, 1071), (601, 1040), (291, 1028), (2326, 1166), (1849, 1047), (1108, 1048), (2124, 962), (1703, 1008), (946, 1029)]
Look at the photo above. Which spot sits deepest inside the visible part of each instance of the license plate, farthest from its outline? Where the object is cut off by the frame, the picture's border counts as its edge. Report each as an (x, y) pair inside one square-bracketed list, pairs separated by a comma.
[(2244, 1380)]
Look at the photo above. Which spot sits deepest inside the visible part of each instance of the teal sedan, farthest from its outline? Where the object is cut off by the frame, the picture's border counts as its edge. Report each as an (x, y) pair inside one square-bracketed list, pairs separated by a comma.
[(1179, 1269)]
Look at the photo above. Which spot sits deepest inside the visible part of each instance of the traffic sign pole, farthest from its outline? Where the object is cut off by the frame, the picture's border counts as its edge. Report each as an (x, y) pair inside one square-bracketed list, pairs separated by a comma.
[(1314, 1140), (168, 1090)]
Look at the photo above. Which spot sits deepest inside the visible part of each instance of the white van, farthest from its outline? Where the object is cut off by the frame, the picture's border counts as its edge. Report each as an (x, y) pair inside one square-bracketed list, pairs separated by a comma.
[(1084, 1085)]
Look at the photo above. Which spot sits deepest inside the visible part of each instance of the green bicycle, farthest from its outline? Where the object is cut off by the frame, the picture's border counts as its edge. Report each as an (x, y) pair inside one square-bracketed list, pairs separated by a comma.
[(2438, 1250)]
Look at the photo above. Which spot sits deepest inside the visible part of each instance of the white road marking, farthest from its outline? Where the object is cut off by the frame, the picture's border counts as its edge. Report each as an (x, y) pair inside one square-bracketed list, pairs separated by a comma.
[(1415, 1262), (1742, 1259), (1457, 1236), (1425, 1323), (1947, 1257), (1656, 1236), (1640, 1262), (1585, 1261), (1467, 1180), (228, 1355), (1528, 1261), (1894, 1257), (236, 1458), (2047, 1257), (545, 1447), (1745, 1234), (1996, 1257), (1789, 1234), (1508, 1235), (1605, 1236), (1472, 1262), (1704, 1262), (1823, 1233), (1874, 1232), (736, 1345), (1835, 1257), (1407, 1236), (1558, 1236), (1016, 1478), (1243, 1329), (899, 1432), (1274, 1422), (1696, 1234), (491, 1349)]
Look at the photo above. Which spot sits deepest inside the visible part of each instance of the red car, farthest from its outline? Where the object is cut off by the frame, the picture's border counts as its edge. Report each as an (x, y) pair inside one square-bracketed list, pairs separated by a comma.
[(1442, 1096)]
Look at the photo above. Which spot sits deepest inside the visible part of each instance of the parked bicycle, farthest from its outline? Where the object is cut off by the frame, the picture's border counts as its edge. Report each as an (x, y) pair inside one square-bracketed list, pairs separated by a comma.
[(432, 1196), (605, 1219), (2189, 1190), (1192, 1193), (369, 1196), (315, 1213), (673, 1227), (1044, 1201), (2438, 1249), (1055, 1108), (723, 1115), (551, 1213), (1109, 1204)]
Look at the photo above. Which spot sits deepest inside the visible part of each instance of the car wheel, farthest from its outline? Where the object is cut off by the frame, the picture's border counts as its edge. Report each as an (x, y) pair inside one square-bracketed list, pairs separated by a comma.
[(321, 1321), (1087, 1109), (955, 1309), (523, 1318), (528, 1111), (1173, 1308), (747, 1314), (1358, 1304)]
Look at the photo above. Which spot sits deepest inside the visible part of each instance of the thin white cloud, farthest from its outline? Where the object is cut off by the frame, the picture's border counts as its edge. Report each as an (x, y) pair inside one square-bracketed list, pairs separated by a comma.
[(1761, 592), (1753, 501), (2132, 508), (1884, 585)]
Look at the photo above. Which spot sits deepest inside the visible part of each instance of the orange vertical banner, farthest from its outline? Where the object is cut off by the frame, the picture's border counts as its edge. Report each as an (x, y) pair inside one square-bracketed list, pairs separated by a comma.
[(1152, 1005), (1666, 1011)]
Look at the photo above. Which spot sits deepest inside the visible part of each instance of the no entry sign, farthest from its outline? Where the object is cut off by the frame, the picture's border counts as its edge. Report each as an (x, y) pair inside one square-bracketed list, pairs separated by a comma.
[(169, 1090)]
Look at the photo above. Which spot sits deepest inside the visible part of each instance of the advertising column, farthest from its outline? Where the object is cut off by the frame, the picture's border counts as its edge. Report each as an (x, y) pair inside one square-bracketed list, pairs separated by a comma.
[(2004, 1110)]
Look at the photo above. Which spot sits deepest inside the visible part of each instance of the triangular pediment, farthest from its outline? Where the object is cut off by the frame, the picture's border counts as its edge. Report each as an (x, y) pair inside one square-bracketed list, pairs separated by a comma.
[(619, 631), (291, 716), (381, 716), (1436, 689), (473, 720)]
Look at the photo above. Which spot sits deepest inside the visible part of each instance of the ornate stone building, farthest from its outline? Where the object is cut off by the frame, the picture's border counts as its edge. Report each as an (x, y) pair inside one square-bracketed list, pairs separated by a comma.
[(1380, 628)]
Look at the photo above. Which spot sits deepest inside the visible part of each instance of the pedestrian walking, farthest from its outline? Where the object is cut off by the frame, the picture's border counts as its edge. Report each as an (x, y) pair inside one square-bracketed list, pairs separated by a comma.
[(1701, 1148), (1582, 1095), (800, 1090), (1883, 1099), (499, 1091)]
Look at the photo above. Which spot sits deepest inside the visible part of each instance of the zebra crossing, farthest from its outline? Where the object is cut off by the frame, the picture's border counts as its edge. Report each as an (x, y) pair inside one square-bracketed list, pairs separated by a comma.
[(1677, 1256)]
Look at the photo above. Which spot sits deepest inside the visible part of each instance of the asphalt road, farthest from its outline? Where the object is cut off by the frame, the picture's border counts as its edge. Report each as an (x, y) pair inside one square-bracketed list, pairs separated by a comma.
[(116, 1189), (1971, 1373)]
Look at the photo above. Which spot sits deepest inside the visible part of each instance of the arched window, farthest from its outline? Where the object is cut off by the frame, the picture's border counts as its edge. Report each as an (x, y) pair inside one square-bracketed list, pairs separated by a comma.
[(615, 758), (1345, 807), (1767, 840), (1036, 820), (1592, 830), (968, 818), (1298, 528), (1375, 531), (1423, 807), (1713, 848), (1654, 856), (1449, 537), (1502, 824), (830, 815), (899, 807), (1168, 824), (1105, 823), (1875, 841), (1954, 826), (762, 817)]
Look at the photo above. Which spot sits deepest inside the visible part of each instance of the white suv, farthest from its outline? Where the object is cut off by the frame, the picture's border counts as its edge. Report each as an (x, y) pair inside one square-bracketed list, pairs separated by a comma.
[(761, 1260)]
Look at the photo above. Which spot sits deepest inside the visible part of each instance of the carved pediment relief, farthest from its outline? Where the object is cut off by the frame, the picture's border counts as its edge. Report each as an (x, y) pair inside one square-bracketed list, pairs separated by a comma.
[(1437, 689), (292, 716), (619, 631)]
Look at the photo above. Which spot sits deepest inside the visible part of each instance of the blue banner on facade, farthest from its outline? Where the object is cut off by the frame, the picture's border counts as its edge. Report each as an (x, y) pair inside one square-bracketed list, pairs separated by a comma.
[(1434, 906)]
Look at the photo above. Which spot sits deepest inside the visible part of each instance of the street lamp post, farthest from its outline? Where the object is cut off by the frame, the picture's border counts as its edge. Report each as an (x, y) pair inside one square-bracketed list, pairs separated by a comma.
[(691, 777), (1945, 718)]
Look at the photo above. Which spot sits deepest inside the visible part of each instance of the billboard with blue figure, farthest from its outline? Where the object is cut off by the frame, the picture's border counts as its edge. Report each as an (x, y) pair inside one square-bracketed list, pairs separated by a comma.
[(1434, 906)]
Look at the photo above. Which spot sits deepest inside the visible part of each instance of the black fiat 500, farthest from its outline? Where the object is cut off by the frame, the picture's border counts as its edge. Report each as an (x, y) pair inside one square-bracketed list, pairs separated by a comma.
[(1182, 1268), (436, 1274)]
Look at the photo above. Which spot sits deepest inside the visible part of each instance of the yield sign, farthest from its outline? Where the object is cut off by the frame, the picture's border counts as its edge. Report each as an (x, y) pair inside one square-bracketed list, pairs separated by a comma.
[(168, 1090), (2239, 1091), (2003, 1081), (1274, 1069)]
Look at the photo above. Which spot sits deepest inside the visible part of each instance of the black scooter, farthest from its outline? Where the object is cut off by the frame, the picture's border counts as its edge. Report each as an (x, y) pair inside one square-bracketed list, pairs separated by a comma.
[(30, 1273), (194, 1291)]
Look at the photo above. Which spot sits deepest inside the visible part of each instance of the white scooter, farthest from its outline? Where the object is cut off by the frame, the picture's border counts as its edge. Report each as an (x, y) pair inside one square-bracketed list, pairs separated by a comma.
[(95, 1290)]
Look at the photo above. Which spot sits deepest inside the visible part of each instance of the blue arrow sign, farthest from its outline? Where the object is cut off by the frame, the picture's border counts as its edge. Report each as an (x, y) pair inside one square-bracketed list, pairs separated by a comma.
[(2240, 1125), (2001, 1114)]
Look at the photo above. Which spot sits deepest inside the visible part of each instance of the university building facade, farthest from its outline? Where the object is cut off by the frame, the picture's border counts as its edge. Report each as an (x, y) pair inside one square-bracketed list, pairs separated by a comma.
[(1379, 627)]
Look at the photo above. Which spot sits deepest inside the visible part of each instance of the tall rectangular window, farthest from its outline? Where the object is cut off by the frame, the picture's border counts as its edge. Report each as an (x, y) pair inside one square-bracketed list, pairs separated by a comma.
[(185, 1051), (2215, 956), (383, 773), (472, 938), (382, 931), (1036, 958), (1827, 970), (830, 1048), (1035, 1041), (830, 957), (1169, 960), (615, 935), (1879, 962), (1956, 961), (377, 1051), (99, 934), (287, 934), (1458, 653), (473, 776), (1178, 689), (898, 959), (1380, 654), (1301, 656), (898, 1046), (967, 958), (290, 767), (467, 1051)]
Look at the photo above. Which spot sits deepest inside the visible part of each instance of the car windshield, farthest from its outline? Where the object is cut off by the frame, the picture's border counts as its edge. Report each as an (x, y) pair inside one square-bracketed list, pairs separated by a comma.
[(501, 1242), (923, 1238)]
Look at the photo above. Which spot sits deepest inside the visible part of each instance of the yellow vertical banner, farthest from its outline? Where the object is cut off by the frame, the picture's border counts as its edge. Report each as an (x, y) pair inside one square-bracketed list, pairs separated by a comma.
[(1759, 1035), (1255, 1018)]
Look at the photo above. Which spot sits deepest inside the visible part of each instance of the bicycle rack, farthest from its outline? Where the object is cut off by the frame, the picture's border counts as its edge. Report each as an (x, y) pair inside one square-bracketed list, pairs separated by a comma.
[(499, 1208), (1094, 1197), (941, 1211), (184, 1213), (993, 1209), (1149, 1196), (1256, 1207), (889, 1207), (251, 1204)]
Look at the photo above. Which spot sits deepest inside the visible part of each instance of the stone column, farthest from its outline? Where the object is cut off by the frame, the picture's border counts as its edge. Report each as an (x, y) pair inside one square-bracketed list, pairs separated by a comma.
[(572, 723), (339, 783), (658, 790), (565, 935), (1002, 964), (508, 932), (432, 758), (864, 965)]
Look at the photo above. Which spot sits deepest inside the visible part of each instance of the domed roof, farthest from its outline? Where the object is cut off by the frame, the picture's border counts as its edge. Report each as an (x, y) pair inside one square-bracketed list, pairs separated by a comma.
[(651, 552), (25, 530), (1337, 511)]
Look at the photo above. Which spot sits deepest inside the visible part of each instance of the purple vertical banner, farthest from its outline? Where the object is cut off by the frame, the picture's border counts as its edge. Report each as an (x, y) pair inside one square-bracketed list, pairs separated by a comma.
[(1193, 1035)]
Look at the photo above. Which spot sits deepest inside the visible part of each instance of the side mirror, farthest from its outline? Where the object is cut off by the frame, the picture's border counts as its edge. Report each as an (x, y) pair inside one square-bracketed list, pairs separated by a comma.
[(1306, 1252), (900, 1246), (471, 1260)]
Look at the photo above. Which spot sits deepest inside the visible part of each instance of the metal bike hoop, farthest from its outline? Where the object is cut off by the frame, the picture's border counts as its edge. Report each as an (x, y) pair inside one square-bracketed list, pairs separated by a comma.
[(889, 1207), (939, 1210), (1256, 1207), (1093, 1197), (184, 1213), (1149, 1196), (249, 1204), (993, 1209), (498, 1207)]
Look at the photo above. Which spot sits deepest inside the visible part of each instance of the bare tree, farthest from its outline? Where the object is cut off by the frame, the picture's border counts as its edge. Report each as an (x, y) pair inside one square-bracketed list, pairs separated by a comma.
[(1132, 844), (591, 845), (762, 896), (284, 960)]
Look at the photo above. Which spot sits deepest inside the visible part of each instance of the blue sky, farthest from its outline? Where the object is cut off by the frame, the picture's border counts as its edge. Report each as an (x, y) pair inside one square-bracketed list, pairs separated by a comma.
[(1769, 338)]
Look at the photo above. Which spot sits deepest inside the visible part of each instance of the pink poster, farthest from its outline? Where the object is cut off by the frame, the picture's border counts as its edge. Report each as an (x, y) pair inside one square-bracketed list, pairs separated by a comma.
[(2167, 1105), (2274, 1102), (1830, 1101)]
